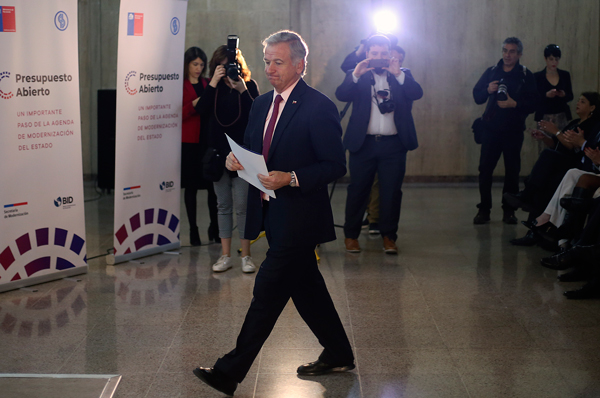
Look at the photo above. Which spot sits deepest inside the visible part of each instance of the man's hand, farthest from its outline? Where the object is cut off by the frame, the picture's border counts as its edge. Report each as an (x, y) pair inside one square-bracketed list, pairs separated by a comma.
[(394, 67), (493, 87), (593, 154), (232, 164), (575, 138), (362, 67), (509, 103), (275, 179)]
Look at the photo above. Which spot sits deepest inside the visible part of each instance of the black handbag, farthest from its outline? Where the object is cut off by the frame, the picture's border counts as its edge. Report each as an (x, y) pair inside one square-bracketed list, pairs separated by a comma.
[(478, 128), (213, 165)]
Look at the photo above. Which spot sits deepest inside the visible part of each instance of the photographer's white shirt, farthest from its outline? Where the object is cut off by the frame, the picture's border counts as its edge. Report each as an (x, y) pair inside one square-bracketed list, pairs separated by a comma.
[(381, 124)]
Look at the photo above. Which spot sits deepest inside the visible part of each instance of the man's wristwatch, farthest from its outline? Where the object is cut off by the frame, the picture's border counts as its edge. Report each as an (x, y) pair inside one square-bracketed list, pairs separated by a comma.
[(293, 182)]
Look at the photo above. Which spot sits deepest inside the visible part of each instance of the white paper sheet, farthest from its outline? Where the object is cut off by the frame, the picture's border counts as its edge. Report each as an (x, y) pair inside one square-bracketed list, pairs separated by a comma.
[(254, 164)]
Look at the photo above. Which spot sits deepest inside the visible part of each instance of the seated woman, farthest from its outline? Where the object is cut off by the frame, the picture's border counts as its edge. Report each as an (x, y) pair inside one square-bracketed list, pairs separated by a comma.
[(553, 164), (564, 216)]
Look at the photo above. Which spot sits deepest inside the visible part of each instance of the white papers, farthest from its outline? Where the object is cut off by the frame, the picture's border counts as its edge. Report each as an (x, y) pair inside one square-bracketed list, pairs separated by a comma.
[(254, 164)]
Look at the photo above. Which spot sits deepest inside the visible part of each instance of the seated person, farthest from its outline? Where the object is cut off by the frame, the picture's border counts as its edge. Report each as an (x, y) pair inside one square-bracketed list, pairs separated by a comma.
[(560, 222), (552, 165), (583, 257)]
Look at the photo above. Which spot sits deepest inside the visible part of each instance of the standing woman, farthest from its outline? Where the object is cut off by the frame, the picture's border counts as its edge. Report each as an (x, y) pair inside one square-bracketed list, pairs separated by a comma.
[(194, 142), (227, 103), (554, 86)]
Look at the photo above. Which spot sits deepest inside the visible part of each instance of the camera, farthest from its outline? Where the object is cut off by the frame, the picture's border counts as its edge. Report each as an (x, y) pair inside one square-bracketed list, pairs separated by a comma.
[(502, 91), (386, 106), (232, 68), (379, 64)]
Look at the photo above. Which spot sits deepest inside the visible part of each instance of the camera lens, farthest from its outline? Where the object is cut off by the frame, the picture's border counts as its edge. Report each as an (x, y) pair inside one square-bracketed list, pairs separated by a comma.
[(233, 71)]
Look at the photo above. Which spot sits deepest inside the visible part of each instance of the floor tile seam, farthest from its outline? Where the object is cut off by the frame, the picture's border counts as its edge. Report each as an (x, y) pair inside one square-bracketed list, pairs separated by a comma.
[(170, 346), (353, 343), (84, 339), (454, 364), (150, 385), (258, 372), (557, 369)]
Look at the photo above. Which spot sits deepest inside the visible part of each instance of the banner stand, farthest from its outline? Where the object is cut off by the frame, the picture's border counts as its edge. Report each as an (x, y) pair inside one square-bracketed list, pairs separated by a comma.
[(111, 259), (150, 77), (42, 227)]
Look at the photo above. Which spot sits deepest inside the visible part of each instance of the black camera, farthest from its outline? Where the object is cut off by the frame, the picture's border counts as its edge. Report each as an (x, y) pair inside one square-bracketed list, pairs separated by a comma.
[(502, 91), (386, 106), (233, 69)]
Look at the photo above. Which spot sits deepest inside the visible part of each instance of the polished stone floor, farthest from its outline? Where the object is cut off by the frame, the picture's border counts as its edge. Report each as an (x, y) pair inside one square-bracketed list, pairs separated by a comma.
[(458, 313)]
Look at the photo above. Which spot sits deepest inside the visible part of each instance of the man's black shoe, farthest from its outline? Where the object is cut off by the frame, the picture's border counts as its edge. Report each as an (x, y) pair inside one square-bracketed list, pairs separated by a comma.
[(318, 368), (560, 261), (516, 200), (216, 380), (527, 240), (509, 217), (588, 291), (482, 217)]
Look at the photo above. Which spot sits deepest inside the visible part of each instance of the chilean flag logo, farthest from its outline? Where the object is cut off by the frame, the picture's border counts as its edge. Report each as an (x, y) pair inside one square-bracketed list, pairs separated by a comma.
[(7, 19), (135, 24)]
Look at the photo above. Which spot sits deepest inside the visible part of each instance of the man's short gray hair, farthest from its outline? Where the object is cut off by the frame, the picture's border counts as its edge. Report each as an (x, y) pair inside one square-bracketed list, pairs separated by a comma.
[(514, 40), (298, 47)]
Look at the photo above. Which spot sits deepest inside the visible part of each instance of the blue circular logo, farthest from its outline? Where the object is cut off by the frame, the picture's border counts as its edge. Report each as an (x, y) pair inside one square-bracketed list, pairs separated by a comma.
[(175, 25), (57, 202), (61, 21)]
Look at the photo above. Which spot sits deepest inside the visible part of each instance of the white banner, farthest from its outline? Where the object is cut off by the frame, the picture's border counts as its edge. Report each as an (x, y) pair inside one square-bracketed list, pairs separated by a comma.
[(148, 133), (42, 230)]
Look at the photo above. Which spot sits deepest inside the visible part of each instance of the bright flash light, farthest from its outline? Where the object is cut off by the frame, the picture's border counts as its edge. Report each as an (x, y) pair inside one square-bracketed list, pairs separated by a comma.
[(385, 21)]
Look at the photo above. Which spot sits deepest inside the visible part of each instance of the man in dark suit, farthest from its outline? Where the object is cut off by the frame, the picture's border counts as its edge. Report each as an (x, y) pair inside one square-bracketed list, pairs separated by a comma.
[(298, 131), (379, 134)]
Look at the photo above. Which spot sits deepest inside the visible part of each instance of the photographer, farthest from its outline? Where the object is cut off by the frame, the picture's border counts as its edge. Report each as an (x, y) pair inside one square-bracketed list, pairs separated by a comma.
[(511, 94), (226, 103), (380, 132)]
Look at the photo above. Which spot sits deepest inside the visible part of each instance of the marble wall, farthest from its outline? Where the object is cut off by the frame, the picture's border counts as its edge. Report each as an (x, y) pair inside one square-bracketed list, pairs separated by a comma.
[(448, 43)]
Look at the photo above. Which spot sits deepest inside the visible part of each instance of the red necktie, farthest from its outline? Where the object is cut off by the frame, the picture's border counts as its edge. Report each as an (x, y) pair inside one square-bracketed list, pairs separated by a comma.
[(269, 134)]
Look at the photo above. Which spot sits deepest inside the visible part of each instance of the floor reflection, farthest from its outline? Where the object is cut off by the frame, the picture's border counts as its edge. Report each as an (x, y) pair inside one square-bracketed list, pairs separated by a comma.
[(459, 312)]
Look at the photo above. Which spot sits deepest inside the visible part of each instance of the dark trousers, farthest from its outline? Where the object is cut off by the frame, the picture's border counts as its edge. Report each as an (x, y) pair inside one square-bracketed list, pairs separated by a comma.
[(287, 272), (493, 145), (387, 157), (591, 233), (189, 197), (545, 177)]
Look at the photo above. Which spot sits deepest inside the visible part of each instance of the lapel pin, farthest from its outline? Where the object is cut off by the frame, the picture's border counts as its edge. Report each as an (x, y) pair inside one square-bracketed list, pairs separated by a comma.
[(293, 102)]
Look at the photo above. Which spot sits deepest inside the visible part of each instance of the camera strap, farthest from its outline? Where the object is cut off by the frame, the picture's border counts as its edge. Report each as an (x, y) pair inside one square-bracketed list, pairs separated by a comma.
[(374, 90), (239, 110)]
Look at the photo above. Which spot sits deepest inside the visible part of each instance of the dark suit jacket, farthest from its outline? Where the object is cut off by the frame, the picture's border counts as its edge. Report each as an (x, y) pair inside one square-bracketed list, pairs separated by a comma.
[(360, 93), (307, 140)]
